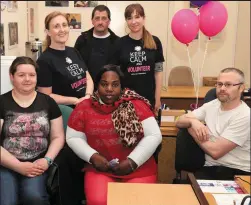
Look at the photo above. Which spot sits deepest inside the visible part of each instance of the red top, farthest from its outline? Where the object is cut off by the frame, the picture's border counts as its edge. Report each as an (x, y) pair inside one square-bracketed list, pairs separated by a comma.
[(101, 135)]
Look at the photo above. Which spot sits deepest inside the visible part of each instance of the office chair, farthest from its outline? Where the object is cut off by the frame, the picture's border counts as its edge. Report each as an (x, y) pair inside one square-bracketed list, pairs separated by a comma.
[(180, 76), (66, 112), (188, 155)]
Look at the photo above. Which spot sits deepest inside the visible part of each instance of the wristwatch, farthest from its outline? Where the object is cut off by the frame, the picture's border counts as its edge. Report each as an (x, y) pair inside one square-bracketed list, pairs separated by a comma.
[(49, 160)]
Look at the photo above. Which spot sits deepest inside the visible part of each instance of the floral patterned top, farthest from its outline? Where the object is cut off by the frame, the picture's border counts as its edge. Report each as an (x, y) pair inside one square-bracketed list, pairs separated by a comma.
[(25, 132)]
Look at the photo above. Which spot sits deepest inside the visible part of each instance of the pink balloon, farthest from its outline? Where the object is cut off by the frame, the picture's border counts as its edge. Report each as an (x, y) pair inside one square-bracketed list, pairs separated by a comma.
[(213, 18), (185, 25)]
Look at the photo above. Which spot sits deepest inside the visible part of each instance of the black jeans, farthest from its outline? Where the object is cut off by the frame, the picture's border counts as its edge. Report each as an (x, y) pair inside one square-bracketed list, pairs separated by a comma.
[(71, 179), (218, 173)]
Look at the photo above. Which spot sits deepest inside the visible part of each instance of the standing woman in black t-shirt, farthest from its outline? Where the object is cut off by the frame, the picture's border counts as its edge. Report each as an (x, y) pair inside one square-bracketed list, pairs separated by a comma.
[(140, 57), (32, 135), (63, 74)]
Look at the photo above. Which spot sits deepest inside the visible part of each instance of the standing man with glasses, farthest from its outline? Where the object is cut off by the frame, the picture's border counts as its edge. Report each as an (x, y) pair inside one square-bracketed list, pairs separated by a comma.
[(225, 138), (95, 44)]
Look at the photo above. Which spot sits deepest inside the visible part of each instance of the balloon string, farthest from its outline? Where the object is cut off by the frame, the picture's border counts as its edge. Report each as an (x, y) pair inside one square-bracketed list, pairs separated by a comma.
[(205, 53), (198, 75), (190, 64), (200, 70)]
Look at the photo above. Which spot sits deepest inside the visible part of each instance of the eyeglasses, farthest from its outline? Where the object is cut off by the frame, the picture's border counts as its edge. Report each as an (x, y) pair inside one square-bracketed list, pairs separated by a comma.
[(227, 85)]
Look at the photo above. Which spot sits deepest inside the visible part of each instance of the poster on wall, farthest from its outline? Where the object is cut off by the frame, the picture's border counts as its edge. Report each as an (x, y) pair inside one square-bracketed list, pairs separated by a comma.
[(2, 47), (192, 6), (12, 6), (4, 5), (13, 35), (31, 20), (85, 3), (57, 3), (74, 21)]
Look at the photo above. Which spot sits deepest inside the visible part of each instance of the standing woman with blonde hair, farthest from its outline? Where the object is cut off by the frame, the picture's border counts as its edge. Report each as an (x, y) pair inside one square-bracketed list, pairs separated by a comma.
[(140, 57), (63, 74)]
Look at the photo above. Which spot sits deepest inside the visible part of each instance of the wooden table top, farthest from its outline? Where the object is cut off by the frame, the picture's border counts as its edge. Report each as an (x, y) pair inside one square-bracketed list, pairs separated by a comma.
[(184, 92), (150, 194), (244, 185)]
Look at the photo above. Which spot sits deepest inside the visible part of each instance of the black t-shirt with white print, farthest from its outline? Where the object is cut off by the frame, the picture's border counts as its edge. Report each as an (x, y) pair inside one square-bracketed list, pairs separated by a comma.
[(138, 64), (64, 71), (26, 131)]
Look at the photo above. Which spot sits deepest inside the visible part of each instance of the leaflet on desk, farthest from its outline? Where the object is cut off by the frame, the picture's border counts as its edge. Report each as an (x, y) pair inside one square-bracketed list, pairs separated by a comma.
[(230, 199), (220, 186)]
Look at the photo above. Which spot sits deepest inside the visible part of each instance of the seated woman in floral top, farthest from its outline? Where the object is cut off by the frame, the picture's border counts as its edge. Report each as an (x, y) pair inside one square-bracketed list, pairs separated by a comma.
[(32, 135)]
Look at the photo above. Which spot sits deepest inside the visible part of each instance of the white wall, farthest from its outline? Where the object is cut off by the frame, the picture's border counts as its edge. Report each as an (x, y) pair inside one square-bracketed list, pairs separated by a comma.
[(43, 11), (19, 16), (220, 53), (233, 49), (34, 5), (242, 57)]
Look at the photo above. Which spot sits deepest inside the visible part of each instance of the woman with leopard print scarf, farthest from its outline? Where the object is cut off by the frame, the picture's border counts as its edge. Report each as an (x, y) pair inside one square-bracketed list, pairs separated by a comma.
[(115, 131)]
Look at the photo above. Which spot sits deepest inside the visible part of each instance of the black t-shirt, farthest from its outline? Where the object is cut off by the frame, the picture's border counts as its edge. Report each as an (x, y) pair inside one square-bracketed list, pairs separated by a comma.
[(138, 64), (64, 71), (98, 57), (26, 131)]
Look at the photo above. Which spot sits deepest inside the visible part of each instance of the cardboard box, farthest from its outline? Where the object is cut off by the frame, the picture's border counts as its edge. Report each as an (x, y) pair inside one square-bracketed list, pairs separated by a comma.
[(209, 81)]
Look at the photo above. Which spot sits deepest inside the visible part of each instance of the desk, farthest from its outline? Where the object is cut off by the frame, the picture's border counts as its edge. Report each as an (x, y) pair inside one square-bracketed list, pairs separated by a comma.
[(180, 97), (169, 131), (150, 194), (244, 185), (166, 158), (207, 198)]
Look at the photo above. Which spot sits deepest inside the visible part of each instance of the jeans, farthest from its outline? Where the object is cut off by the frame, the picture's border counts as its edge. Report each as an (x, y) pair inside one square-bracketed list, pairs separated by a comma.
[(16, 189)]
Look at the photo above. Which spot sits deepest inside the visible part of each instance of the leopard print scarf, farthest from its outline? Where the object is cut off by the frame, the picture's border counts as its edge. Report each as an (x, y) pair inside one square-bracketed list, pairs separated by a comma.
[(124, 118)]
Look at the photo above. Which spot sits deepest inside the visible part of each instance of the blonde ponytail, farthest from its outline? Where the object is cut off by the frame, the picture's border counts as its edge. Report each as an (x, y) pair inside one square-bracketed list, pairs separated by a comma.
[(149, 42)]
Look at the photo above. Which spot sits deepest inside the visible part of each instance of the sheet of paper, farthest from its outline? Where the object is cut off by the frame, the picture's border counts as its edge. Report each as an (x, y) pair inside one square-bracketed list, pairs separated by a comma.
[(228, 199), (220, 186), (167, 118)]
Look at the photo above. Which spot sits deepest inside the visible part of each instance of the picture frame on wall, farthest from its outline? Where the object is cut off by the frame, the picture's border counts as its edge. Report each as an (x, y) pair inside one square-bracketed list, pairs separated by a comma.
[(85, 3), (192, 6), (13, 35), (3, 5), (31, 20), (57, 3), (12, 6), (2, 46), (74, 20)]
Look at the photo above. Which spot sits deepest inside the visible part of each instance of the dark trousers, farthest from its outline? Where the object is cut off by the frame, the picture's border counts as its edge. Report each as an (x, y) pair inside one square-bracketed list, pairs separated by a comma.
[(71, 179), (218, 173)]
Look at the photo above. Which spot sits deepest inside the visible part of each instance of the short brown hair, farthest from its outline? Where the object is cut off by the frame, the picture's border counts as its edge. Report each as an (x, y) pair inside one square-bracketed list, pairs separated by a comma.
[(236, 70), (22, 60), (102, 8), (147, 37), (47, 21)]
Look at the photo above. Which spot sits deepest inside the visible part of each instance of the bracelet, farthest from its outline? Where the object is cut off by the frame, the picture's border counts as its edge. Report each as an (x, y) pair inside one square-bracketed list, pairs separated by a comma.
[(130, 163), (49, 161)]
